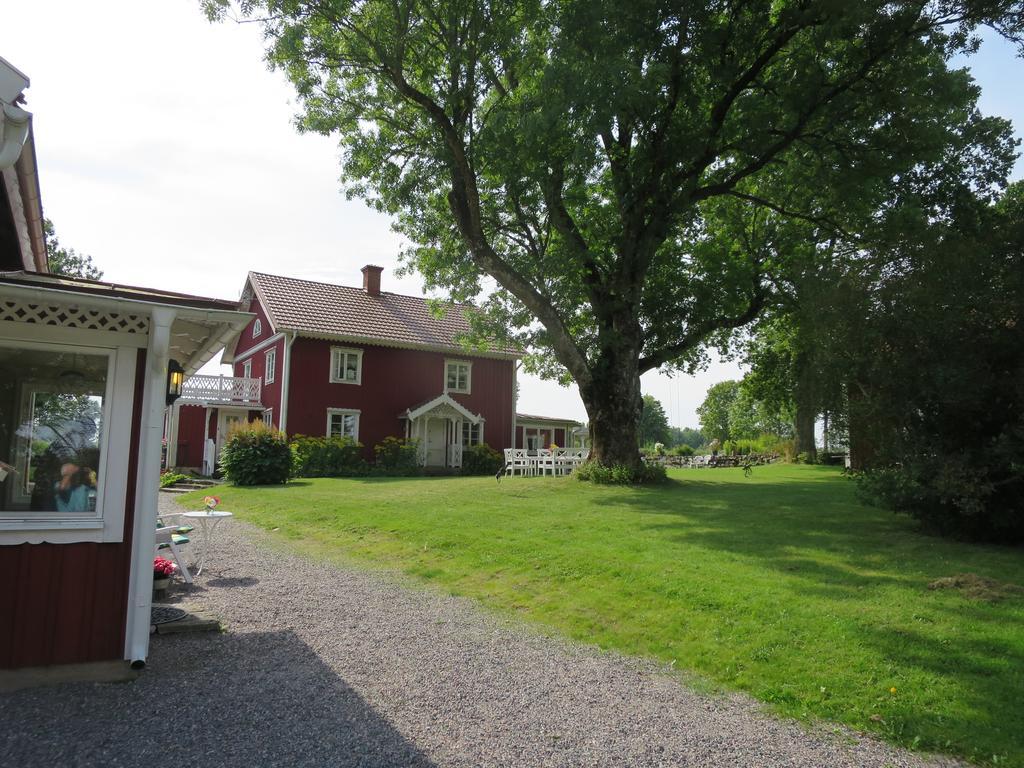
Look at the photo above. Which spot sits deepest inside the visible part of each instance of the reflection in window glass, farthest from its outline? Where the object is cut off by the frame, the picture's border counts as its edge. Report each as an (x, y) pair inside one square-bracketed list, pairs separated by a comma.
[(51, 428)]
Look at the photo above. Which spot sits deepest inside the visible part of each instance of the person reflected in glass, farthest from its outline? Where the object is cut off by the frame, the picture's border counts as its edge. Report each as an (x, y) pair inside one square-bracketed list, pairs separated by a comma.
[(74, 491)]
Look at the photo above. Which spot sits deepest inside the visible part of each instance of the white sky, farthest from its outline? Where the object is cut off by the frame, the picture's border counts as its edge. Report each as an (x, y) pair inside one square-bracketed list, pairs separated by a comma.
[(167, 152)]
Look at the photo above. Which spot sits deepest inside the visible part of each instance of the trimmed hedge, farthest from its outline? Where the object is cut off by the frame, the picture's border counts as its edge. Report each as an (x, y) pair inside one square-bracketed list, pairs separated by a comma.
[(328, 457), (396, 456), (481, 460)]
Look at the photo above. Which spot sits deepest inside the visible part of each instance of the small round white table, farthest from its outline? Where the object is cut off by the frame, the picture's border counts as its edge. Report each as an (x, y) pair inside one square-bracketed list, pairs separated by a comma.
[(207, 520)]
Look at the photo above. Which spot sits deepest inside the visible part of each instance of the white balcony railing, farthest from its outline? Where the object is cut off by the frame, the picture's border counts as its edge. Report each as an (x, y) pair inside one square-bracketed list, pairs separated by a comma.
[(221, 389)]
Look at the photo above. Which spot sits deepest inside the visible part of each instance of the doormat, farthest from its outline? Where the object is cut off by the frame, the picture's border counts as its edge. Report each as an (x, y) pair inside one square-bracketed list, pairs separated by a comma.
[(164, 614)]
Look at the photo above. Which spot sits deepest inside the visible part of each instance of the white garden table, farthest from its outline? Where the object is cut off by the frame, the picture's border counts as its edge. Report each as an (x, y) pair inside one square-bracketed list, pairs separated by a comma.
[(207, 520)]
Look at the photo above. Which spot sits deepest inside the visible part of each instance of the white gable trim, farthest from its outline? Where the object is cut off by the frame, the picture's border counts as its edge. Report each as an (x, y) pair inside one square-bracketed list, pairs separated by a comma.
[(442, 399), (250, 290)]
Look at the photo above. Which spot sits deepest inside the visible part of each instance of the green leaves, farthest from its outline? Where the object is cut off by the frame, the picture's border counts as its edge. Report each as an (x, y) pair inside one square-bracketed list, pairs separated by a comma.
[(622, 185)]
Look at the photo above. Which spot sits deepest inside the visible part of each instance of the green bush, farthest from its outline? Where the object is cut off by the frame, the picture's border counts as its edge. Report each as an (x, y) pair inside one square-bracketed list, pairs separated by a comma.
[(620, 474), (396, 456), (482, 460), (328, 457), (170, 478), (256, 455), (683, 450)]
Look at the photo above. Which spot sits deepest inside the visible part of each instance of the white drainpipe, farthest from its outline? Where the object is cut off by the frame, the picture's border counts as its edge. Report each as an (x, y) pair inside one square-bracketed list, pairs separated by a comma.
[(515, 399), (286, 367), (140, 589)]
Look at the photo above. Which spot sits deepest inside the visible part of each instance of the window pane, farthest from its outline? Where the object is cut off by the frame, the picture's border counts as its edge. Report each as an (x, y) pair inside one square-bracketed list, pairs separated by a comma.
[(351, 368), (51, 427)]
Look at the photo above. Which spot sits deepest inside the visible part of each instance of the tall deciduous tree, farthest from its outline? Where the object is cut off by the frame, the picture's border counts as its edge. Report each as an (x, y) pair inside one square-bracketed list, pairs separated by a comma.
[(67, 261), (565, 158), (714, 411), (653, 422)]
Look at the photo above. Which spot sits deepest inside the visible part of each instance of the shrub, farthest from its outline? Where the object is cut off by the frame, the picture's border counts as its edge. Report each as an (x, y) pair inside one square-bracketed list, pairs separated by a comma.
[(170, 478), (620, 474), (952, 496), (482, 460), (328, 457), (683, 450), (397, 456), (255, 454)]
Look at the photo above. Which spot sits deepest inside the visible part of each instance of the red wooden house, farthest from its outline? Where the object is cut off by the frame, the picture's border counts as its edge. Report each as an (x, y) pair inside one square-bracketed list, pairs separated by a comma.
[(84, 376), (322, 359)]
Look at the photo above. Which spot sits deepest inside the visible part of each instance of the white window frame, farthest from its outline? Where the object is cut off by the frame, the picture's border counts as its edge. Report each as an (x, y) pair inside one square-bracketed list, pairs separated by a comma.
[(268, 417), (257, 328), (106, 523), (270, 366), (470, 425), (469, 376), (332, 412), (337, 352), (247, 369)]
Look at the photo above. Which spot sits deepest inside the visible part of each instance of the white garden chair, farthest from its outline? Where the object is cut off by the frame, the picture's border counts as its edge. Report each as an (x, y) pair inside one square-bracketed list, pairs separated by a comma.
[(168, 538)]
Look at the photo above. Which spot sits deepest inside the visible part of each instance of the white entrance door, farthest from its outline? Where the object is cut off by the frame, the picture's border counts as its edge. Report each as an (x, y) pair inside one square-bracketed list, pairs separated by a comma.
[(226, 421), (436, 432)]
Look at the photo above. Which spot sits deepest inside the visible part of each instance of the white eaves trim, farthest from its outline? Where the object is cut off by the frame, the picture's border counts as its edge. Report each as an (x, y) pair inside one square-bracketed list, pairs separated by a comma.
[(259, 347), (375, 341)]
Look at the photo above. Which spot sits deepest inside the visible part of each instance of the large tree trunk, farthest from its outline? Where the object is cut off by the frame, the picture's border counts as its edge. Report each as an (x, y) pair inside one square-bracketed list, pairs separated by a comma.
[(806, 409), (614, 404)]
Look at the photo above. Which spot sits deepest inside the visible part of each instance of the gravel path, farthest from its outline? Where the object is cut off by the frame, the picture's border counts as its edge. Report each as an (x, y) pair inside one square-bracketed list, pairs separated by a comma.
[(323, 666)]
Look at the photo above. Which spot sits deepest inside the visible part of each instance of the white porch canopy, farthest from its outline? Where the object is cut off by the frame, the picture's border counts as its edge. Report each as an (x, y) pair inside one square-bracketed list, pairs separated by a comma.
[(437, 425)]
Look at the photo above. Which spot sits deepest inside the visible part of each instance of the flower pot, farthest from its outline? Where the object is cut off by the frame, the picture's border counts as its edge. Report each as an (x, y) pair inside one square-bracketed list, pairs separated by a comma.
[(160, 586)]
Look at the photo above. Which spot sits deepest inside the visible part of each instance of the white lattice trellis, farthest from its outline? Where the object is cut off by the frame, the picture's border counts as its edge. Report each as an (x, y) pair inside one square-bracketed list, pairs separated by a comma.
[(73, 317)]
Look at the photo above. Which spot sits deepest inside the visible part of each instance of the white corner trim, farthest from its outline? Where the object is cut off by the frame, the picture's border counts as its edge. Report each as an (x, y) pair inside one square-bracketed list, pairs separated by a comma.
[(140, 587), (286, 372)]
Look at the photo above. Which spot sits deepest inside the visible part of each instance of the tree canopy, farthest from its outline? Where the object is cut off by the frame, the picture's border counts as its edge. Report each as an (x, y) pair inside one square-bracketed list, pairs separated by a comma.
[(653, 422), (67, 261), (587, 170)]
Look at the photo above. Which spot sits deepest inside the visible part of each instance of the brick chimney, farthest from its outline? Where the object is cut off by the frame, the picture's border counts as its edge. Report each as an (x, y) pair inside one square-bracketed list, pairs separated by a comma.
[(371, 279)]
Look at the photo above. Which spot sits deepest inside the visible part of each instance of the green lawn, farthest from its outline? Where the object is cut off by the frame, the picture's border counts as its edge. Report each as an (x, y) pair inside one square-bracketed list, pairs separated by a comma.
[(781, 585)]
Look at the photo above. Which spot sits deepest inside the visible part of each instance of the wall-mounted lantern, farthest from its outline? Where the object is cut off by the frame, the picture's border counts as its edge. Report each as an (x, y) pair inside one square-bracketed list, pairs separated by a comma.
[(175, 378)]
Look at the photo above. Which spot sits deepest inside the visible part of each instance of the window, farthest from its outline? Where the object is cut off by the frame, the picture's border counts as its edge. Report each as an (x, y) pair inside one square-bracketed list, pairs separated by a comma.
[(537, 438), (457, 376), (257, 328), (269, 371), (65, 435), (342, 422), (472, 434), (55, 401), (346, 366), (268, 417), (247, 369)]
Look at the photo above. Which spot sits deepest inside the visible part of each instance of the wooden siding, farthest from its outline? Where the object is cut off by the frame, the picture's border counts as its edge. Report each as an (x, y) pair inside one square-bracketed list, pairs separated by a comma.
[(393, 380), (270, 396), (68, 603), (245, 340)]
